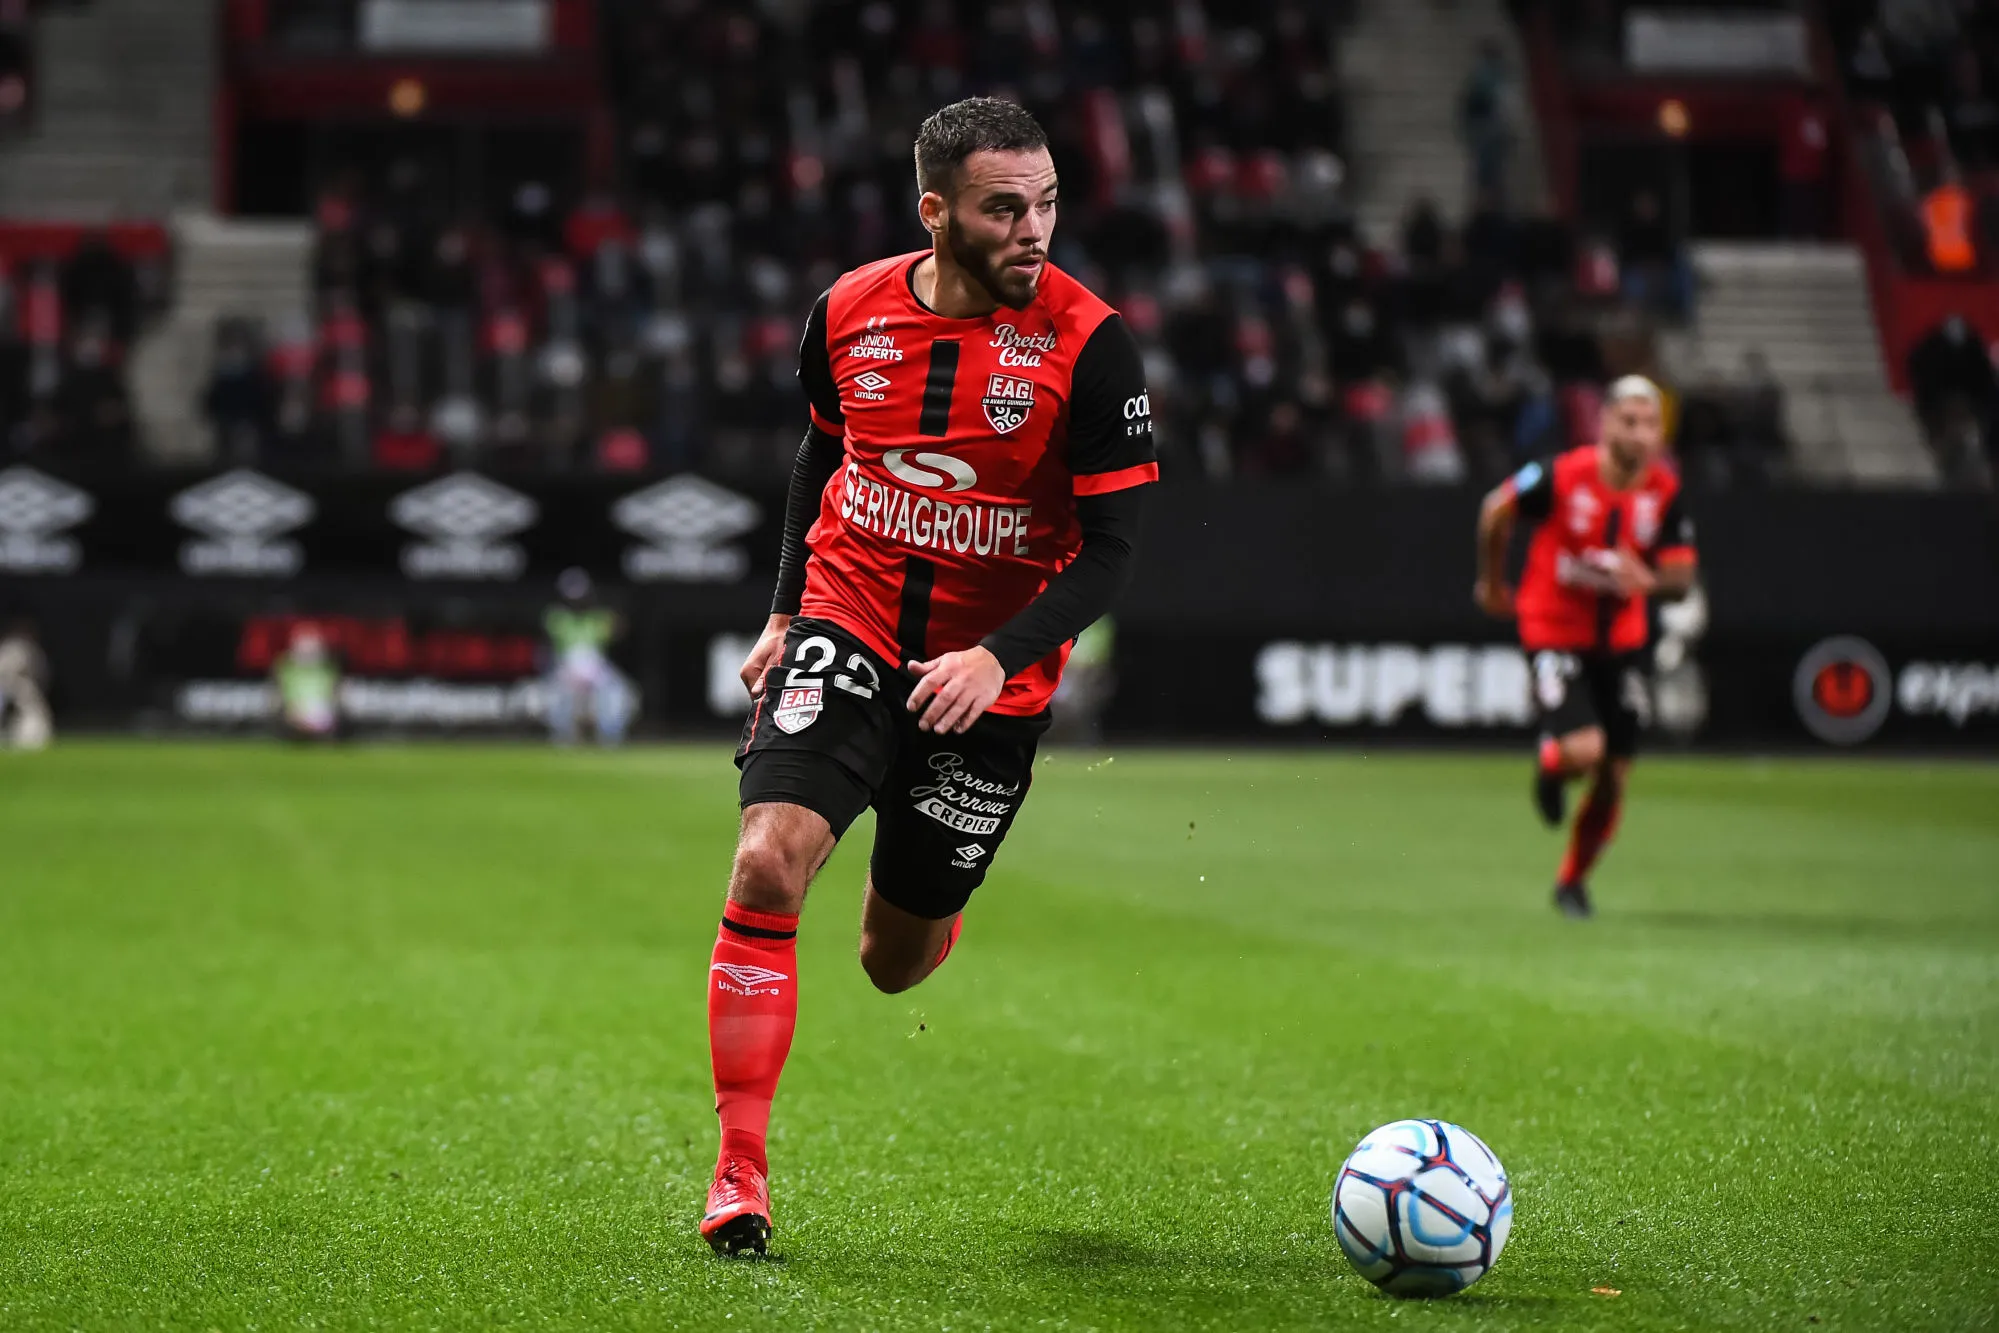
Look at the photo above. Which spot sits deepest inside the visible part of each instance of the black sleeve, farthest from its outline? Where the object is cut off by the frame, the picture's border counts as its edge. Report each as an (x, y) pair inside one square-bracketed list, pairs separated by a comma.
[(1110, 413), (1084, 590), (1534, 491), (1676, 527), (819, 456), (815, 369)]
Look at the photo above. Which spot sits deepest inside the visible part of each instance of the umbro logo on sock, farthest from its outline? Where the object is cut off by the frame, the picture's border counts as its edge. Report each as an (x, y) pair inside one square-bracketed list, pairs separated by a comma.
[(749, 979)]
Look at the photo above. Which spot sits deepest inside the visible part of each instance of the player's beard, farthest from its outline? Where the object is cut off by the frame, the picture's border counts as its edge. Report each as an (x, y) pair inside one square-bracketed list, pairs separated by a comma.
[(1004, 283)]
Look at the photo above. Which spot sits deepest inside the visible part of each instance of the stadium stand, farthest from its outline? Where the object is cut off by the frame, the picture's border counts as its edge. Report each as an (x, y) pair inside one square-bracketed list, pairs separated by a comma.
[(1380, 243)]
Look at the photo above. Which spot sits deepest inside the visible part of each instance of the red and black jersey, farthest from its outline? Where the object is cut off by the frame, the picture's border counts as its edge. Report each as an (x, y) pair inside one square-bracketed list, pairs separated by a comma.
[(967, 443), (1581, 521)]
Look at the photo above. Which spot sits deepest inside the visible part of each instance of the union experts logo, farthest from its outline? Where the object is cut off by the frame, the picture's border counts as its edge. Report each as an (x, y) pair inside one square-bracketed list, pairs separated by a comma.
[(34, 509), (242, 516), (689, 523), (467, 519)]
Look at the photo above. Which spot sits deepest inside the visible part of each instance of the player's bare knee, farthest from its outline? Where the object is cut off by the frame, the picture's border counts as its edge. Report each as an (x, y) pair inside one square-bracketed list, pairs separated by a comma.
[(1584, 750), (768, 875)]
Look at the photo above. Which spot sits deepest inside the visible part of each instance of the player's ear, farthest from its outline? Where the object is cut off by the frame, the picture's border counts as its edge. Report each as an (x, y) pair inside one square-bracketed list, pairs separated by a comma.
[(930, 211)]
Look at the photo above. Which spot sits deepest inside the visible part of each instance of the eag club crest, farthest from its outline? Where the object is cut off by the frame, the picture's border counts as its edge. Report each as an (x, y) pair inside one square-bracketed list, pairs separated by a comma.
[(1007, 402), (797, 708)]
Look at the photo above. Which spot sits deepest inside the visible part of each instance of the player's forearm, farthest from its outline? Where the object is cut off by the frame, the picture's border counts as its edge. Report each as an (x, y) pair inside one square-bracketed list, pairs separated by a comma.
[(1674, 579), (1078, 596), (1495, 531), (819, 455)]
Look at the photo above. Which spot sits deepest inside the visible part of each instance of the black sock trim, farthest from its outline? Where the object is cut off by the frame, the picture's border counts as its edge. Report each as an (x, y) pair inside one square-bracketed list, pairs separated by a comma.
[(758, 932)]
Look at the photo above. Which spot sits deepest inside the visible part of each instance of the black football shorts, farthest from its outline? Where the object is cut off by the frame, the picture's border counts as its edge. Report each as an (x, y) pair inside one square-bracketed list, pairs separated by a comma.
[(832, 732), (1608, 690)]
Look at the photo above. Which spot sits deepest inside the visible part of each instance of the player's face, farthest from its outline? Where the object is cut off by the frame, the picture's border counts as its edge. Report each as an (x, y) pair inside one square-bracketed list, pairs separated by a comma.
[(1632, 431), (1000, 221)]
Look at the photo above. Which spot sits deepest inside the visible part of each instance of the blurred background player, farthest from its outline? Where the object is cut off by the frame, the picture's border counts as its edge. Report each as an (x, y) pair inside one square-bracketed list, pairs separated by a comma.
[(308, 681), (1612, 531), (25, 720), (584, 682)]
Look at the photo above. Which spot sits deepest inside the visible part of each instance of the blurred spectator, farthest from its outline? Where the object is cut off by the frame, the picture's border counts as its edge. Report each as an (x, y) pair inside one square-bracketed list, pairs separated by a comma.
[(239, 402), (98, 284), (1957, 397), (308, 686), (17, 64), (584, 683), (25, 720), (1949, 216), (1802, 155), (1655, 273), (1485, 120), (92, 415)]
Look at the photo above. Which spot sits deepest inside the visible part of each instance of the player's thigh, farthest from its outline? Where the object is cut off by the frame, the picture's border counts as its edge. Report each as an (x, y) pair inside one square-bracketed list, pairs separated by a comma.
[(947, 806), (1621, 693), (1563, 701), (896, 942), (822, 735)]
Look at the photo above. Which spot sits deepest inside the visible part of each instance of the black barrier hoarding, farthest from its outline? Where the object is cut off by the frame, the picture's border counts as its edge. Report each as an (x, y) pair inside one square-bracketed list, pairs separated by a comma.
[(465, 527), (1258, 610)]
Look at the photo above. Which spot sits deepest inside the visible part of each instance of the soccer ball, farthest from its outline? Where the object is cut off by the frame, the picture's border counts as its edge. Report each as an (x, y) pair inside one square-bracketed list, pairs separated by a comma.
[(1422, 1208)]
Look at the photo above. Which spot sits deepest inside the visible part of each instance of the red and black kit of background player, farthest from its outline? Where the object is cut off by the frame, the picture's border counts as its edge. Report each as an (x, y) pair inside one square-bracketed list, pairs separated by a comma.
[(965, 503), (1612, 531)]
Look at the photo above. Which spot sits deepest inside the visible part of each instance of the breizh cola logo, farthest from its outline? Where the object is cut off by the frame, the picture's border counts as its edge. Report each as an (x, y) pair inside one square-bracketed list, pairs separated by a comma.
[(1021, 349)]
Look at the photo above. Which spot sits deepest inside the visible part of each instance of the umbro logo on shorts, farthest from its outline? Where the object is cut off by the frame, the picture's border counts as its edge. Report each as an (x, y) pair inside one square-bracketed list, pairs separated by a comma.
[(749, 979), (968, 856)]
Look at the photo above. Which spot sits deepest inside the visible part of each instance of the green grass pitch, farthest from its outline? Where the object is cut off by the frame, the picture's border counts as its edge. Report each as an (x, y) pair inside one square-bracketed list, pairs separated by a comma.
[(414, 1038)]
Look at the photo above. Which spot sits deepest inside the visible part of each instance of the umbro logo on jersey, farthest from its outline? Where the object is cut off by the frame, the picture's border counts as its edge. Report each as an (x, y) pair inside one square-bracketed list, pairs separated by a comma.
[(869, 385), (1008, 401), (748, 978), (876, 344)]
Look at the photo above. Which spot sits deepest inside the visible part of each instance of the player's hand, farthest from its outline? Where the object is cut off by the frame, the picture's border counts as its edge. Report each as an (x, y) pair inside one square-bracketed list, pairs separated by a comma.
[(1633, 577), (1494, 598), (767, 654), (952, 691)]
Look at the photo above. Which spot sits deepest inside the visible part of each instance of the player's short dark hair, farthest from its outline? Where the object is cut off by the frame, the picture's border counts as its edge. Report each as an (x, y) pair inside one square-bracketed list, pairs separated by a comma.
[(975, 125)]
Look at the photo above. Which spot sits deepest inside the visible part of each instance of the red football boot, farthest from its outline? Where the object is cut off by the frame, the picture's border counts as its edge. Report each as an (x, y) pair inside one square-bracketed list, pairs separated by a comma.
[(738, 1216)]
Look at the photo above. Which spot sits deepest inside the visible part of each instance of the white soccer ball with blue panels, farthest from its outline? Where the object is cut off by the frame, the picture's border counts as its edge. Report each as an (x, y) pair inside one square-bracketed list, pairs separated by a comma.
[(1422, 1208)]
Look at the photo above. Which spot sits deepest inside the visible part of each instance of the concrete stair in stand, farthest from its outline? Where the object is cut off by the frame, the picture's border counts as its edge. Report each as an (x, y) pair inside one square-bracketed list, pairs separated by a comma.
[(123, 126), (225, 267), (1805, 309), (1404, 64)]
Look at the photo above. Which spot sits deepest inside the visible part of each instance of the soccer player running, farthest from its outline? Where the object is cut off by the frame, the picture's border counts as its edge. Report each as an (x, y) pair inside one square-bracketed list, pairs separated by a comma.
[(964, 504), (1613, 531)]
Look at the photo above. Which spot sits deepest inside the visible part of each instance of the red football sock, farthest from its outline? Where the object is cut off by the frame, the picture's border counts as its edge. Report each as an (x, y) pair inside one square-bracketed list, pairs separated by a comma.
[(1551, 756), (1596, 823), (950, 942), (752, 1009)]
